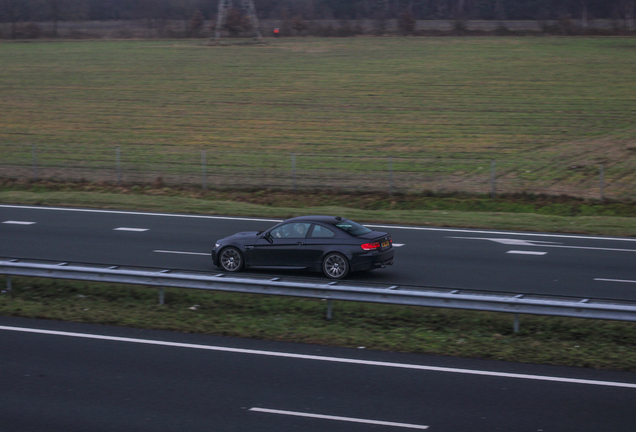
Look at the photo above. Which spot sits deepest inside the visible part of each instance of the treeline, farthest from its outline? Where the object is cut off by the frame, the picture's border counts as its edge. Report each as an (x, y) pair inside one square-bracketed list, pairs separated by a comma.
[(14, 11)]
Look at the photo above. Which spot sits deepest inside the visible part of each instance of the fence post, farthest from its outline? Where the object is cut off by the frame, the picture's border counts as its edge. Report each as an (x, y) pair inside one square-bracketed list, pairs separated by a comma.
[(293, 162), (602, 182), (118, 162), (34, 154), (390, 175), (204, 180), (493, 180)]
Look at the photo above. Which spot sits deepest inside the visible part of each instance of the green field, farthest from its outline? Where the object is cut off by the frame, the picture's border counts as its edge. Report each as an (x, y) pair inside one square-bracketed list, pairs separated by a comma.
[(548, 109)]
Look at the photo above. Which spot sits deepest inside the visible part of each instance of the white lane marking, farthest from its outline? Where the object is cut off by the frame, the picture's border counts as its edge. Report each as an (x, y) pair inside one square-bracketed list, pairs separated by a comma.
[(138, 213), (322, 358), (130, 229), (398, 244), (180, 252), (18, 222), (416, 228), (346, 419), (519, 242), (518, 252), (615, 280), (457, 230)]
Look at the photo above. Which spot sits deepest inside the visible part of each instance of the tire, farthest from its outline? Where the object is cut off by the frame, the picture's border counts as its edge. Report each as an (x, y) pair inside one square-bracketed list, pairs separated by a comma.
[(231, 259), (335, 266)]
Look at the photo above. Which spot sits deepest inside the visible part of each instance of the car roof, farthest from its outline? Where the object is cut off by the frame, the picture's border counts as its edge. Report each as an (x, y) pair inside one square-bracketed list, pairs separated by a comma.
[(331, 220)]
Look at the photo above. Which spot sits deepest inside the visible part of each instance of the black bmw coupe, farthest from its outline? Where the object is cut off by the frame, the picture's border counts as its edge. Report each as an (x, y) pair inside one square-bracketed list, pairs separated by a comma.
[(332, 245)]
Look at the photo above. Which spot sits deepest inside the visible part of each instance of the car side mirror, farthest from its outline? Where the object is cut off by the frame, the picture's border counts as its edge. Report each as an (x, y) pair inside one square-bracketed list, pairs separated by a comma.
[(268, 237)]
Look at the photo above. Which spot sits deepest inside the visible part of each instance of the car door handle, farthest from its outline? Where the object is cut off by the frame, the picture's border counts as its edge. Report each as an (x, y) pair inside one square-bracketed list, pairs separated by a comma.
[(300, 244)]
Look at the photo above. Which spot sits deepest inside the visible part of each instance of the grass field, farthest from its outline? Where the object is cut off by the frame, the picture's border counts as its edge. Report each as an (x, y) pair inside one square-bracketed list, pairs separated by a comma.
[(543, 105)]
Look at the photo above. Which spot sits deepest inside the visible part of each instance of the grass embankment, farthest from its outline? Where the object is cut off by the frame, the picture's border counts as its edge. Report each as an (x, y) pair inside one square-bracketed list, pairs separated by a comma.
[(557, 341)]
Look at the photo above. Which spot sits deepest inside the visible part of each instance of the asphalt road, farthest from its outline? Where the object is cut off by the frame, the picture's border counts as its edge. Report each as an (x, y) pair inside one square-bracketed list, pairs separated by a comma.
[(82, 377), (537, 263)]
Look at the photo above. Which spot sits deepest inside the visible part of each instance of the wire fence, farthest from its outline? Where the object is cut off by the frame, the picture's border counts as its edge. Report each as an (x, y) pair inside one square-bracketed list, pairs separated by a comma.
[(215, 169)]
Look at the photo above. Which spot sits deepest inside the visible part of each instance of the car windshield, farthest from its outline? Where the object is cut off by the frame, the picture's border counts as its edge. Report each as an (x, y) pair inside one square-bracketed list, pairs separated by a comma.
[(353, 228)]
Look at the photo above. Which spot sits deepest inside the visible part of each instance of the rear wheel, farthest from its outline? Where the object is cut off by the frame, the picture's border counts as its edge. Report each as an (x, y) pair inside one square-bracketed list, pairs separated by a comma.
[(231, 259), (335, 266)]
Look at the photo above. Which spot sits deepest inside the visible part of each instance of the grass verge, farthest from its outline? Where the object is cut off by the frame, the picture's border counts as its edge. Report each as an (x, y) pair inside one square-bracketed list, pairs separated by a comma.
[(519, 212), (544, 340)]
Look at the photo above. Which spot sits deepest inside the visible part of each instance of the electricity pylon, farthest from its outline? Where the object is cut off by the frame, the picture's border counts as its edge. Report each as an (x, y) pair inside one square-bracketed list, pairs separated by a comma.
[(248, 7)]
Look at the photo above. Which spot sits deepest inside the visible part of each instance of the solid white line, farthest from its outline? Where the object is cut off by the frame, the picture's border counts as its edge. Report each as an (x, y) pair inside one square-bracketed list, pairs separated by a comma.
[(130, 229), (416, 228), (525, 252), (347, 419), (137, 213), (321, 358), (18, 222), (615, 280), (182, 253)]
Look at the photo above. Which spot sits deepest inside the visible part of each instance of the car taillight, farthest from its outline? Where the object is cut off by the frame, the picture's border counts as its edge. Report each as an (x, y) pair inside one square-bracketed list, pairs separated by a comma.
[(370, 246)]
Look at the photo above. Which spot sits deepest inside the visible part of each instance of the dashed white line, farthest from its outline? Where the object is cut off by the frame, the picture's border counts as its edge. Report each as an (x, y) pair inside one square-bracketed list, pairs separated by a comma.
[(519, 252), (181, 252), (18, 222), (615, 280), (398, 244), (338, 418), (130, 229), (325, 358)]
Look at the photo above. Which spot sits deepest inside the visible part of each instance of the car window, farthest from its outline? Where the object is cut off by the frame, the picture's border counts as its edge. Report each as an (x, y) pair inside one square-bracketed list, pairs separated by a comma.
[(322, 232), (353, 228), (296, 230)]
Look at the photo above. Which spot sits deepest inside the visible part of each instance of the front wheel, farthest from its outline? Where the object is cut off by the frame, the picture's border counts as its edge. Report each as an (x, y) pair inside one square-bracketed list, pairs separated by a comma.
[(231, 259), (335, 266)]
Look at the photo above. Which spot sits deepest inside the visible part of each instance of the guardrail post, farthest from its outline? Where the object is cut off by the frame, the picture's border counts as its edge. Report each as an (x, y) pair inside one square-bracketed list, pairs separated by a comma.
[(161, 296), (329, 310), (8, 282), (515, 325)]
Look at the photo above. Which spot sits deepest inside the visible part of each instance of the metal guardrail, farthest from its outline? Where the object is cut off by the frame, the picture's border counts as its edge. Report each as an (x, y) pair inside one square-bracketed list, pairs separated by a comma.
[(346, 291)]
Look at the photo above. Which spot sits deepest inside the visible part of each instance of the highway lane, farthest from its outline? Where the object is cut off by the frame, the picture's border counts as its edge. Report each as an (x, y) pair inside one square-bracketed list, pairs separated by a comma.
[(88, 378), (588, 266)]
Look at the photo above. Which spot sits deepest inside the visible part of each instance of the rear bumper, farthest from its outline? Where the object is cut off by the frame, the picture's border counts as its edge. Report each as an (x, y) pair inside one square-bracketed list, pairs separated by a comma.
[(373, 260)]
